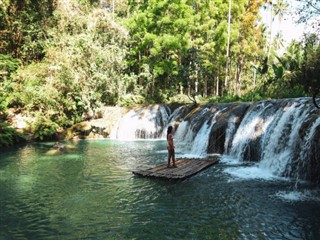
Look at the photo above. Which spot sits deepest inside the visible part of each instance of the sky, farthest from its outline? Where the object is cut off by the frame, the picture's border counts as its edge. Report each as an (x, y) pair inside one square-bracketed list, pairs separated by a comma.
[(290, 29)]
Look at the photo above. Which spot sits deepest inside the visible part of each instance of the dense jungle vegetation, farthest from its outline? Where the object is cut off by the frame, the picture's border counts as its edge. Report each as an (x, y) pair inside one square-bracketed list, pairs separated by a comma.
[(61, 60)]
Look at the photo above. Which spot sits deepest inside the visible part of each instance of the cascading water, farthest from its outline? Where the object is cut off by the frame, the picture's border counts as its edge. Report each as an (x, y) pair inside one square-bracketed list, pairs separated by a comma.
[(250, 131), (231, 129), (177, 114), (270, 134), (305, 164), (142, 123), (200, 143), (186, 133), (193, 142), (280, 135)]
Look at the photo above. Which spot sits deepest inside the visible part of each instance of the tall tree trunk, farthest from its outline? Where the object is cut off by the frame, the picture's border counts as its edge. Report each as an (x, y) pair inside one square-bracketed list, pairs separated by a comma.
[(153, 86), (228, 46), (217, 85), (205, 90), (238, 79), (271, 21), (254, 78)]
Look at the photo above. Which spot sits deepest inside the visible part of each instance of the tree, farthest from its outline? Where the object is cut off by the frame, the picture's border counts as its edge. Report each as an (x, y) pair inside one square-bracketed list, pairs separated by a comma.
[(22, 25), (310, 77), (161, 35), (280, 8), (228, 45), (249, 43), (82, 69), (296, 72), (308, 9)]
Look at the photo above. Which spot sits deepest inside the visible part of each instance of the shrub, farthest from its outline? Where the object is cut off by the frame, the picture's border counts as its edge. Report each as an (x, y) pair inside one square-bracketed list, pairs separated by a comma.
[(180, 99), (9, 135), (44, 128), (130, 99)]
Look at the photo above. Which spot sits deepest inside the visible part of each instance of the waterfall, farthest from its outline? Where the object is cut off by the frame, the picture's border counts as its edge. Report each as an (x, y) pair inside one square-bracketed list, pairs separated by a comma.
[(305, 166), (251, 129), (193, 140), (142, 123), (281, 136), (176, 115), (200, 143), (271, 134), (184, 134), (186, 131), (231, 129)]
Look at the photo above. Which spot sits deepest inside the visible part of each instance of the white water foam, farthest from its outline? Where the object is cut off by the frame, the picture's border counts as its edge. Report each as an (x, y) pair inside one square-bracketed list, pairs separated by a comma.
[(144, 123), (252, 127), (200, 143), (251, 172), (194, 144), (278, 149), (239, 170), (295, 196), (229, 160), (230, 131), (306, 148)]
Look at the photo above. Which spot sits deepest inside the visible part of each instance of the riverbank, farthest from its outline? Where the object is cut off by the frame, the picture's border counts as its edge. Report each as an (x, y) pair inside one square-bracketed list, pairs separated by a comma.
[(282, 135)]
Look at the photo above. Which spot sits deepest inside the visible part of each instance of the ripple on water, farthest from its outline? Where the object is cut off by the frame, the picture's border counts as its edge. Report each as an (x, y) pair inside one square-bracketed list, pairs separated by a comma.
[(296, 195), (92, 194)]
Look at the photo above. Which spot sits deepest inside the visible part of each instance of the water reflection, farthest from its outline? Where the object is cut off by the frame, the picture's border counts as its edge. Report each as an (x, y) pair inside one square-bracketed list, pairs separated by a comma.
[(90, 192)]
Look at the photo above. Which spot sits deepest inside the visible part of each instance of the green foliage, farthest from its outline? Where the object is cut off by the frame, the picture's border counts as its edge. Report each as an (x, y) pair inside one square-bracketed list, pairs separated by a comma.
[(62, 59), (310, 76), (250, 96), (9, 136), (131, 100), (44, 128), (8, 65), (179, 99), (296, 73), (184, 44), (3, 104), (22, 28), (82, 69)]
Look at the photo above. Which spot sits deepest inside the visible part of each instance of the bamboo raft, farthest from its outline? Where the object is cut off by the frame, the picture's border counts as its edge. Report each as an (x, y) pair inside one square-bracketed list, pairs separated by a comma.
[(186, 167)]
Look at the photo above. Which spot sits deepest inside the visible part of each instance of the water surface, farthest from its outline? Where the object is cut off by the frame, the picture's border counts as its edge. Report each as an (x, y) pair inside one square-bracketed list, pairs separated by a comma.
[(88, 192)]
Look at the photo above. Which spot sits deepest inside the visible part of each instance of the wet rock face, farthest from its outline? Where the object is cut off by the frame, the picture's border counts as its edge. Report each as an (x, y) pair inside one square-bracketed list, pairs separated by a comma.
[(231, 114), (315, 163), (314, 167), (96, 128), (283, 135), (306, 158)]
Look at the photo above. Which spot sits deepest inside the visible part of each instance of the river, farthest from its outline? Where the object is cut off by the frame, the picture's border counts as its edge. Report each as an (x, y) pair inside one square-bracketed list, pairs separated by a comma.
[(88, 191)]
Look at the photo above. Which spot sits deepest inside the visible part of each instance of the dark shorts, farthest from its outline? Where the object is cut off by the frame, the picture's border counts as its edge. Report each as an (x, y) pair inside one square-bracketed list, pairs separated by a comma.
[(171, 152)]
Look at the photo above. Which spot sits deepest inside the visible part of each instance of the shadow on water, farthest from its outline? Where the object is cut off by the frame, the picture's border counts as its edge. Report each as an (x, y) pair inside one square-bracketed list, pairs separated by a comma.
[(89, 192)]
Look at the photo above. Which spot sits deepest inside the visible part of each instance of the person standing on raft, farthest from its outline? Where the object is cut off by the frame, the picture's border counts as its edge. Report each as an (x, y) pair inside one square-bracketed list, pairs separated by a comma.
[(170, 147)]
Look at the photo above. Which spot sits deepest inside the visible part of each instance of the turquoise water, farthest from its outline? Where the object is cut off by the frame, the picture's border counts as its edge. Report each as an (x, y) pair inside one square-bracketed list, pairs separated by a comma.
[(88, 191)]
